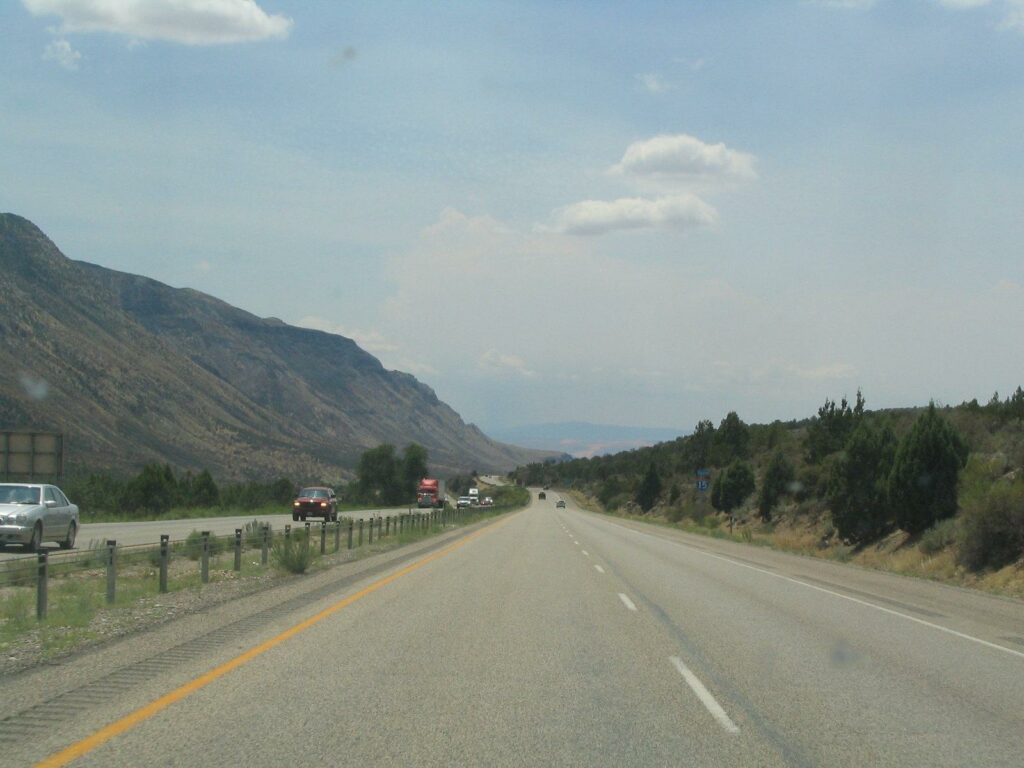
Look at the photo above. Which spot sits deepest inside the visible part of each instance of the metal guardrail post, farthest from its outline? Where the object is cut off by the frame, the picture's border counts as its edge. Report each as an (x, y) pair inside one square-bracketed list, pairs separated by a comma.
[(371, 530), (306, 525), (351, 525), (265, 554), (238, 549), (360, 531), (165, 556), (205, 557), (287, 534), (337, 535), (387, 525), (323, 537), (111, 570), (42, 579)]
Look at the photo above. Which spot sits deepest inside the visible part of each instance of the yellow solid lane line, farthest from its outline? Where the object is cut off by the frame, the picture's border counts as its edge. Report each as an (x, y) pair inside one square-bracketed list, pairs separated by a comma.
[(129, 721)]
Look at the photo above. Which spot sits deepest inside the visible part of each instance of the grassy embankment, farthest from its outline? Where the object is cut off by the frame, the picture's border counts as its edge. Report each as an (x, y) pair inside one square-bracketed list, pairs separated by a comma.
[(929, 556)]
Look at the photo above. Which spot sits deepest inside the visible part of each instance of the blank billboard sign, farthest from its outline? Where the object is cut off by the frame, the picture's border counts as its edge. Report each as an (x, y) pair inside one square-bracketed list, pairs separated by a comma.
[(27, 456)]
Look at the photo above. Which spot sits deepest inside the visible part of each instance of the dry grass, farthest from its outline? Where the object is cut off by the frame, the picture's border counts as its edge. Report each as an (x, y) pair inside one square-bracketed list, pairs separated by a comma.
[(897, 553)]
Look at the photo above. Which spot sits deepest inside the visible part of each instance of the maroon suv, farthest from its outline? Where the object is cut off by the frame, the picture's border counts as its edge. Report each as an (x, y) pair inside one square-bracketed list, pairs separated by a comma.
[(315, 501)]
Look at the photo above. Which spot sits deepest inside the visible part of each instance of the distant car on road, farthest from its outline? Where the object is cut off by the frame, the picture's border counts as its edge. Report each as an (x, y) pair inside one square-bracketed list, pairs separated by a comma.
[(560, 504), (31, 514), (315, 501), (542, 495), (464, 501), (487, 501)]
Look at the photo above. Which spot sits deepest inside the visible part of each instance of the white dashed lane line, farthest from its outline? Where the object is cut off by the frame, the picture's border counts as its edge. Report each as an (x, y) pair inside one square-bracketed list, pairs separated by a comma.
[(704, 695), (627, 602), (599, 569)]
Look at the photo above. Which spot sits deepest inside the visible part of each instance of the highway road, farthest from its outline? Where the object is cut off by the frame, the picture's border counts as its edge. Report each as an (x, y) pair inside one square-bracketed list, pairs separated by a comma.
[(558, 637), (149, 532)]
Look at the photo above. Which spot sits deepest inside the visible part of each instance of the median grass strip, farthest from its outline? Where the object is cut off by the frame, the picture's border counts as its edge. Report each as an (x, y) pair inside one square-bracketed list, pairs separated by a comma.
[(78, 614)]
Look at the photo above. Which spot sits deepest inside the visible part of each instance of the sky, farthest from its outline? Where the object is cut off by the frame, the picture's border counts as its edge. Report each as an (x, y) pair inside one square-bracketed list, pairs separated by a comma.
[(640, 213)]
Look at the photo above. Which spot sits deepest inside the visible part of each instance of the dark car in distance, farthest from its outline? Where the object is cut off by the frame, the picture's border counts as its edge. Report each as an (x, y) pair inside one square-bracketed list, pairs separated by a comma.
[(315, 501)]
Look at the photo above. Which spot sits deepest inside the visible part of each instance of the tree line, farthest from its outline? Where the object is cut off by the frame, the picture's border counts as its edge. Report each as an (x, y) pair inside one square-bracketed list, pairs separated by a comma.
[(157, 489), (871, 472), (382, 477)]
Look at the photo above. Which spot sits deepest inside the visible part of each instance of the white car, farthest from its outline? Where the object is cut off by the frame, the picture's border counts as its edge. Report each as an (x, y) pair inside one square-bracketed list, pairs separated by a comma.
[(31, 514), (464, 501)]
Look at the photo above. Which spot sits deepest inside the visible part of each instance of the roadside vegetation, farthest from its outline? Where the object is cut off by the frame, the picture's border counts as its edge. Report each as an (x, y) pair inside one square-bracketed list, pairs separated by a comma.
[(935, 492)]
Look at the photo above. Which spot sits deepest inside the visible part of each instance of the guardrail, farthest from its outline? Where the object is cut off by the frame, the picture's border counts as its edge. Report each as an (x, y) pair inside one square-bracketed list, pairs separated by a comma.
[(148, 567)]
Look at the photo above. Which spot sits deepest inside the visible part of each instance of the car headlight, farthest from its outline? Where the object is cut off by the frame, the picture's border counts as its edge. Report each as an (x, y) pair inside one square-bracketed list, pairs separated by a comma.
[(20, 519), (295, 504)]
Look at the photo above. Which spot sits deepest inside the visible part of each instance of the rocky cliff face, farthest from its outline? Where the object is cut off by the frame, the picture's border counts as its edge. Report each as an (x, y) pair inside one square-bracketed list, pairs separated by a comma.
[(132, 370)]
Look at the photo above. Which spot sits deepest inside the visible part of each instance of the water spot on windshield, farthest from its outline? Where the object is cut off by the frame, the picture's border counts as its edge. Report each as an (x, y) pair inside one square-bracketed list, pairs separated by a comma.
[(34, 387)]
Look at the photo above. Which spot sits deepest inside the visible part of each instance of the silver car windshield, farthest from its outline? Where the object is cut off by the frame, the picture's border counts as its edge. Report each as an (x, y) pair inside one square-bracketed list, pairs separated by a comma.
[(18, 494)]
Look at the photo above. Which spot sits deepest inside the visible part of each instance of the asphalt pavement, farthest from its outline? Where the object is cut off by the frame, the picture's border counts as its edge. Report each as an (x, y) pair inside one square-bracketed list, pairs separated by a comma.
[(559, 637), (149, 532)]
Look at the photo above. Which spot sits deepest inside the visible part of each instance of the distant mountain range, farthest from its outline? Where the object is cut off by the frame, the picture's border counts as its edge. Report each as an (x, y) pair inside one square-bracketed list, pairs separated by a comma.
[(581, 439), (133, 371)]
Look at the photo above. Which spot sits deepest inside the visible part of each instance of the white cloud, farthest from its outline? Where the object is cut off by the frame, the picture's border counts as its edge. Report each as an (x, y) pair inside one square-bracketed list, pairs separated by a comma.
[(62, 52), (960, 4), (493, 361), (856, 5), (191, 22), (652, 82), (682, 155), (829, 372), (595, 217), (1014, 18)]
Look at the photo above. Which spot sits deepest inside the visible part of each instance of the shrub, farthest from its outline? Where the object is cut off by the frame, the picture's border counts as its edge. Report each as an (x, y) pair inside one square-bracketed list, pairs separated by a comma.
[(293, 554), (992, 529), (940, 536), (193, 545), (252, 534)]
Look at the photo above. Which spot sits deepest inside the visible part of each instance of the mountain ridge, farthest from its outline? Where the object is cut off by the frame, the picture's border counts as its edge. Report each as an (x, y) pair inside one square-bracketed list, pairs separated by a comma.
[(134, 370)]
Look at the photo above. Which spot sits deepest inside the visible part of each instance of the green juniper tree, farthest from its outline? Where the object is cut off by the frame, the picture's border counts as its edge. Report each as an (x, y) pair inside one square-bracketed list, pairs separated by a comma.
[(649, 490), (857, 487), (777, 479), (925, 472)]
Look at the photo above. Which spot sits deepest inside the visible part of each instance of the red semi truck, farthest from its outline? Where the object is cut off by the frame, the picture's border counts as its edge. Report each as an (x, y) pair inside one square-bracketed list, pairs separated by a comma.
[(430, 493)]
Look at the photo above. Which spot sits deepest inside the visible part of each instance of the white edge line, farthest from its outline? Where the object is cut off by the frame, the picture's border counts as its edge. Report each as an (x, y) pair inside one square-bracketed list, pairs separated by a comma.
[(598, 568), (627, 602), (705, 696), (890, 611)]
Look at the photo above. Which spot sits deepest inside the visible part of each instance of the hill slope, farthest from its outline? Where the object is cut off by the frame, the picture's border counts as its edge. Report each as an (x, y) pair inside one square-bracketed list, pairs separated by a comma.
[(132, 370)]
